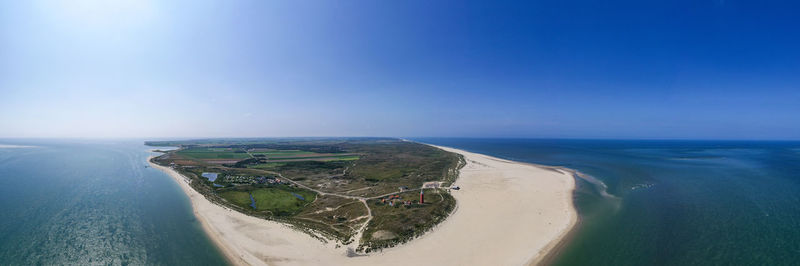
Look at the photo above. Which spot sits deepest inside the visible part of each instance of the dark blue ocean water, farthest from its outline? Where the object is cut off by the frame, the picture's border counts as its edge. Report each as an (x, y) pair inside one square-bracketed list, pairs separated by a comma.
[(94, 202), (672, 202)]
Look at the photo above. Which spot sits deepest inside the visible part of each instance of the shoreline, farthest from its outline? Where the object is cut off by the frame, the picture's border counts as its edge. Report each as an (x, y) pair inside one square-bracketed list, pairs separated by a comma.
[(539, 198), (191, 193), (557, 246), (548, 253)]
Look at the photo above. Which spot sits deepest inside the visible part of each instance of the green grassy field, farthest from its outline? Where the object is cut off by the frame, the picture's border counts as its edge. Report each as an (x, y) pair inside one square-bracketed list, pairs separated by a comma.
[(322, 158), (210, 149), (282, 153), (302, 167), (281, 202), (267, 166), (213, 153), (302, 155), (239, 198)]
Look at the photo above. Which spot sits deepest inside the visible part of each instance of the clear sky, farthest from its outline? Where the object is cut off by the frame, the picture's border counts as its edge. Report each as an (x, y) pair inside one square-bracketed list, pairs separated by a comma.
[(719, 69)]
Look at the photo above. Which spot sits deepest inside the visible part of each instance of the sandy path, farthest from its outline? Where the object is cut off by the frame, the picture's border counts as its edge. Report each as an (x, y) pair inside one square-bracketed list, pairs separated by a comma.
[(508, 213)]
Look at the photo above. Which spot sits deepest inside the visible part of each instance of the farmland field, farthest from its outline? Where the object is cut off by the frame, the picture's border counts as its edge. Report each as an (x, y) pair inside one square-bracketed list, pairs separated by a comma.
[(282, 153), (213, 153), (287, 155), (317, 158)]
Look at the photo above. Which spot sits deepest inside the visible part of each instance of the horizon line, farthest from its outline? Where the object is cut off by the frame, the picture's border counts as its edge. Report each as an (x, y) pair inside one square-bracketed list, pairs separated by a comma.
[(397, 137)]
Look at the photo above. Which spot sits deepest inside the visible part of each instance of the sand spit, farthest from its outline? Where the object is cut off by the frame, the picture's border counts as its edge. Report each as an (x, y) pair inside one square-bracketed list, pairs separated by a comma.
[(508, 213)]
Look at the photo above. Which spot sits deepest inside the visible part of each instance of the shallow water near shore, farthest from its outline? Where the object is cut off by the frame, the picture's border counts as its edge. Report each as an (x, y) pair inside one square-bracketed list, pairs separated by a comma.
[(671, 202), (94, 202)]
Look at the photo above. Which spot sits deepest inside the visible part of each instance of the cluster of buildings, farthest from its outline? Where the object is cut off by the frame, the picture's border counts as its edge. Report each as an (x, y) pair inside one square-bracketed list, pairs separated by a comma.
[(252, 179), (396, 199), (269, 180)]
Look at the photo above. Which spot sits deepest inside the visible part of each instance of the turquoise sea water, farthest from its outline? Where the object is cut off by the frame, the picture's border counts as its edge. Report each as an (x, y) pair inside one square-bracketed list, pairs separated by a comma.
[(672, 202), (94, 203)]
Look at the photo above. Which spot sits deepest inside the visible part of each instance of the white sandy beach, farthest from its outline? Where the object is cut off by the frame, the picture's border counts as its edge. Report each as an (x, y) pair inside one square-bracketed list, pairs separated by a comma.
[(508, 213)]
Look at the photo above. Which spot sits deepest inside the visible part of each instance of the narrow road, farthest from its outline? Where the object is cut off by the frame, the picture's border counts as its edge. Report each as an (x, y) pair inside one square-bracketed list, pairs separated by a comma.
[(360, 232), (346, 196)]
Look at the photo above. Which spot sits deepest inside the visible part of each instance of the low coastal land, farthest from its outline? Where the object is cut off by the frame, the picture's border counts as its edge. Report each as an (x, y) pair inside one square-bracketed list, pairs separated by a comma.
[(364, 194), (9, 146), (507, 213)]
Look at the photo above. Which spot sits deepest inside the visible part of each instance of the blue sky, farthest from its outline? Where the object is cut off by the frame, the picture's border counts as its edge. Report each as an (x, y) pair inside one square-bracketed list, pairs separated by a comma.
[(540, 69)]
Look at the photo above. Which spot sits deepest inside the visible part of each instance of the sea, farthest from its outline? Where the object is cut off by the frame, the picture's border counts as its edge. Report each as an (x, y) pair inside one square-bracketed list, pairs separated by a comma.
[(89, 202), (649, 202), (94, 202)]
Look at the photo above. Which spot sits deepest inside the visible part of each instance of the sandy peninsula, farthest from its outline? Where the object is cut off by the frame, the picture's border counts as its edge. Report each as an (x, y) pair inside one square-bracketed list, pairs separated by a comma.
[(508, 213)]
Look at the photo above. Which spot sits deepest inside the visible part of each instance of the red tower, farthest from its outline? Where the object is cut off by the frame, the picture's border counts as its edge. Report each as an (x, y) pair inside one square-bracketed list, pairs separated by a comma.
[(421, 197)]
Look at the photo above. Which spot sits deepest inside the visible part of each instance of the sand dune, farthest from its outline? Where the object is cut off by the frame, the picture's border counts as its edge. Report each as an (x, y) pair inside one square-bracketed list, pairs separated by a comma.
[(508, 213)]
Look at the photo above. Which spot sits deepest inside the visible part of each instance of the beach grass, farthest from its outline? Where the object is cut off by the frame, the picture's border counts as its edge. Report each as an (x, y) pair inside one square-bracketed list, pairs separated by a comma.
[(239, 198)]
